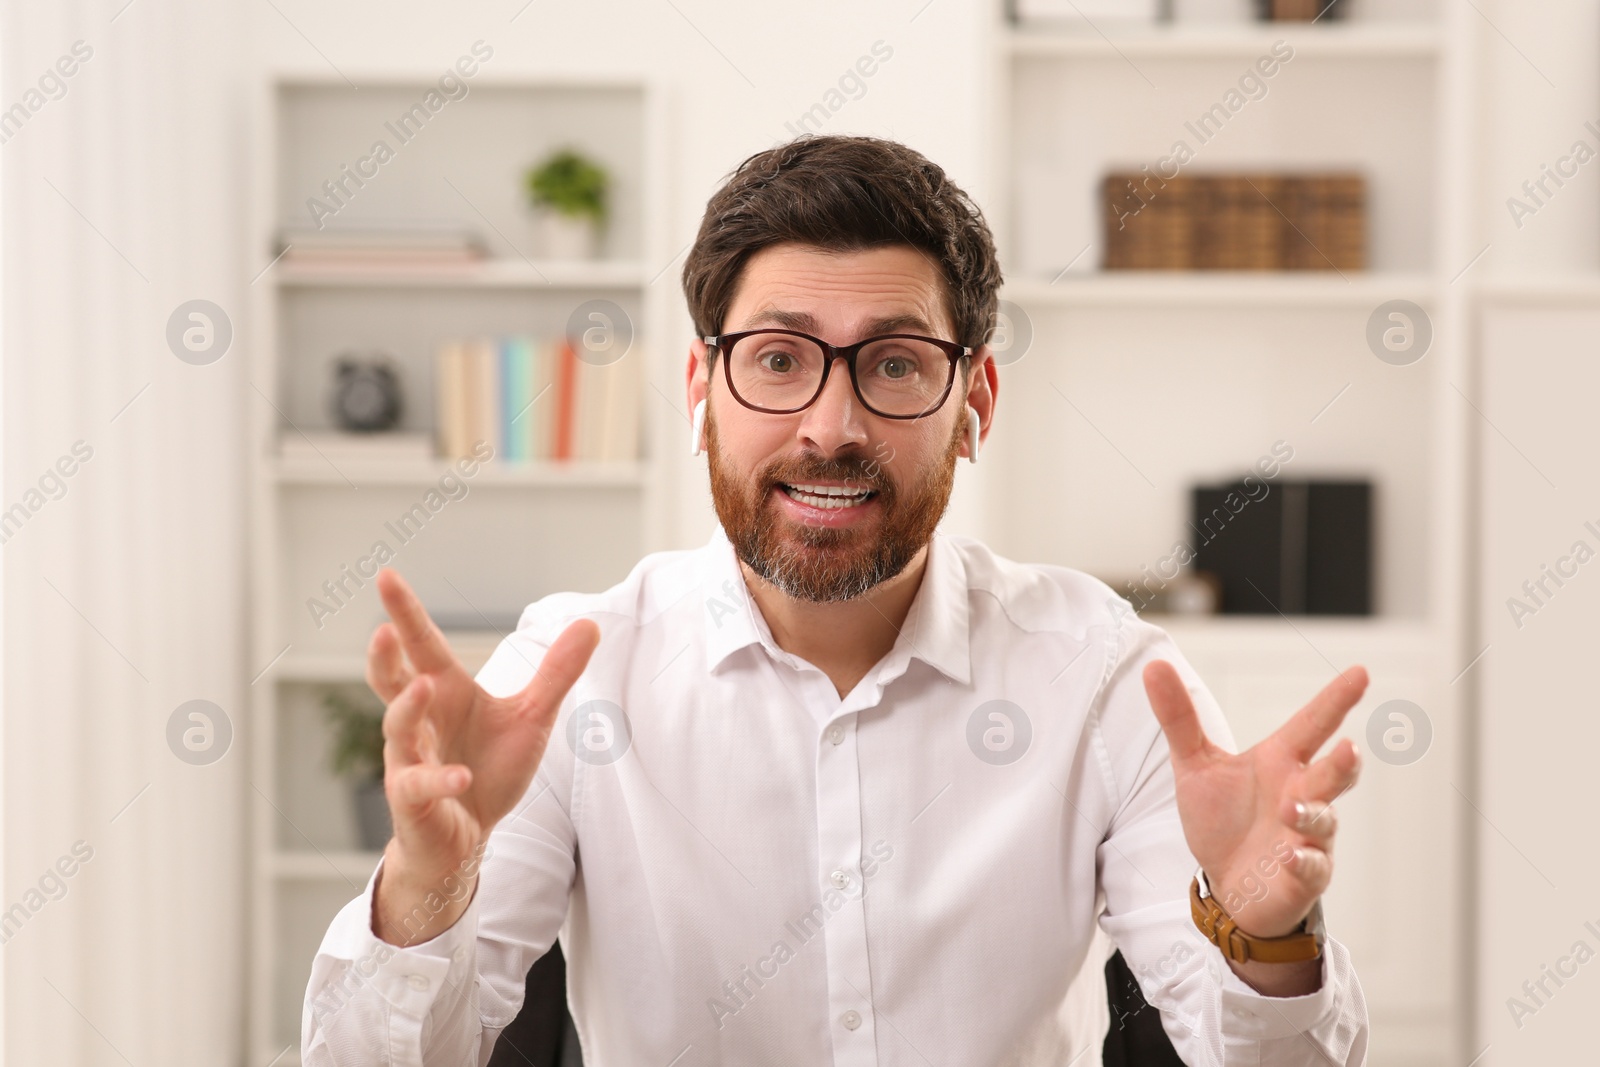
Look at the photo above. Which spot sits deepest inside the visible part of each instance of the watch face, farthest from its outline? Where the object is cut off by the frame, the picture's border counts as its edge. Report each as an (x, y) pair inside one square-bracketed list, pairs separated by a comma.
[(1313, 922)]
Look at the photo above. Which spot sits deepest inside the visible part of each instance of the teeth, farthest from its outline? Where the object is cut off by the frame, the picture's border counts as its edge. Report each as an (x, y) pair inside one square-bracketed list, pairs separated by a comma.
[(827, 497), (828, 490)]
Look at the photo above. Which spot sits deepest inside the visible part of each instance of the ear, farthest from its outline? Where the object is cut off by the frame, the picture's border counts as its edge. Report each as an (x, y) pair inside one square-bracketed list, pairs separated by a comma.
[(697, 385), (983, 384)]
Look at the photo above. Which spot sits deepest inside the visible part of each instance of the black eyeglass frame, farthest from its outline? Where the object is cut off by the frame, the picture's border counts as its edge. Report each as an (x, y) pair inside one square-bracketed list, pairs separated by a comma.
[(724, 343)]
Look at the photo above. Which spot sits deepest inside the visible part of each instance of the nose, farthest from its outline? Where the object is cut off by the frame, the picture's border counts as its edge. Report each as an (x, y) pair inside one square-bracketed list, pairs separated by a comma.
[(836, 421)]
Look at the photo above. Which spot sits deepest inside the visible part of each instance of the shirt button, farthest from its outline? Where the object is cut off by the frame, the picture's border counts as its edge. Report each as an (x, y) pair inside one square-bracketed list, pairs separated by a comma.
[(459, 955), (851, 1019), (836, 735), (417, 982), (841, 878)]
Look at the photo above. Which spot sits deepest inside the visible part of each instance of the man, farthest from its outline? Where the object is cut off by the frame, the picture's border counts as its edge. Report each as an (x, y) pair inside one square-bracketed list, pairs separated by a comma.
[(836, 787)]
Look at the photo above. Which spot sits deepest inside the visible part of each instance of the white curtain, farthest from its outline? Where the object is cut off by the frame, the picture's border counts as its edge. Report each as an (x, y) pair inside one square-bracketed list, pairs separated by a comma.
[(122, 197)]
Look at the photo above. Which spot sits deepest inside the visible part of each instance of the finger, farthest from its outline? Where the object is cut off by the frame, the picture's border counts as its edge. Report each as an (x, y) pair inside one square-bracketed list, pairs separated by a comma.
[(563, 662), (402, 724), (1313, 724), (1331, 776), (422, 783), (388, 672), (1169, 699), (1317, 820), (1311, 867), (423, 643)]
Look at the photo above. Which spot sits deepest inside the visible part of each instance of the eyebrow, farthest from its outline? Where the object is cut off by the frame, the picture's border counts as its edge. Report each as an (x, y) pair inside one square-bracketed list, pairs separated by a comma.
[(807, 323)]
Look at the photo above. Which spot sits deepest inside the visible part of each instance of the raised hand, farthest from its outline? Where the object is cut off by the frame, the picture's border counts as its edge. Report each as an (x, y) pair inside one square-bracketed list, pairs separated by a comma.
[(1261, 822), (456, 759)]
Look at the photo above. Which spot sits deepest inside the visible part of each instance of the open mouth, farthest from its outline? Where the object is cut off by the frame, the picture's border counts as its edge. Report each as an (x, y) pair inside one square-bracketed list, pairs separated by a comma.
[(827, 497)]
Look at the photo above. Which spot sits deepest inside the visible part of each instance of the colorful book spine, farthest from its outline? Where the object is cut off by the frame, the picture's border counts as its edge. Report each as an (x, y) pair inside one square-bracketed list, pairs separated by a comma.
[(534, 400), (566, 398)]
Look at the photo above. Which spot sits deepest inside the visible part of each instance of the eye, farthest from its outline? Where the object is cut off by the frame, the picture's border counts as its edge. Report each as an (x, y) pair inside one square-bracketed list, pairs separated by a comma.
[(777, 359), (895, 362)]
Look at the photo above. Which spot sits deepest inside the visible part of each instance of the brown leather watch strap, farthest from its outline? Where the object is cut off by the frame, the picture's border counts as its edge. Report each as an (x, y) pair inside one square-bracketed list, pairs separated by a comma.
[(1240, 947)]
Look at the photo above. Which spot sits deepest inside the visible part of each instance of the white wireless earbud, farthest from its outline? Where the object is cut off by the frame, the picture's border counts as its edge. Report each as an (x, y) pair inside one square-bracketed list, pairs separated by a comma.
[(973, 426), (696, 428)]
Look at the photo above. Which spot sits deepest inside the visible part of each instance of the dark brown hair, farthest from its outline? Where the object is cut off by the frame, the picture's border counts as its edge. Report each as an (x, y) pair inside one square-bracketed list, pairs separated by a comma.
[(844, 194)]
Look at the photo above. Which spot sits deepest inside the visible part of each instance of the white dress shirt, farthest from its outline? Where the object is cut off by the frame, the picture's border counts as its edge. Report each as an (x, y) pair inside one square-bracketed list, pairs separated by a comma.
[(745, 869)]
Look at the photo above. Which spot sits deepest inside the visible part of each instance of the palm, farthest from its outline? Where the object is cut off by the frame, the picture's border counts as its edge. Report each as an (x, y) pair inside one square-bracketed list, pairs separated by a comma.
[(456, 758), (1266, 860)]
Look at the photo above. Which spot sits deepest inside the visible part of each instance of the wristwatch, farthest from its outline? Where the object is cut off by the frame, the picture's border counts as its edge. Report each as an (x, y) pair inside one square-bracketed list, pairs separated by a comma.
[(1220, 929)]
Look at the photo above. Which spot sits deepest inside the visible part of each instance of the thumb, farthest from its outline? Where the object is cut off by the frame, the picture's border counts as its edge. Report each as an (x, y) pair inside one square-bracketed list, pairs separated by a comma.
[(562, 665), (1169, 699)]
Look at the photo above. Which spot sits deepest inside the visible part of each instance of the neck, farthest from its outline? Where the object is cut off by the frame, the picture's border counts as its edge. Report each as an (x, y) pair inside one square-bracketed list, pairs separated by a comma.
[(843, 639)]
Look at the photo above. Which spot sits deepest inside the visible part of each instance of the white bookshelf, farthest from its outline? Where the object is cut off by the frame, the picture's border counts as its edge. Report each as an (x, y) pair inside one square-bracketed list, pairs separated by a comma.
[(498, 273), (1138, 385), (1302, 289), (310, 471), (520, 532), (1357, 40)]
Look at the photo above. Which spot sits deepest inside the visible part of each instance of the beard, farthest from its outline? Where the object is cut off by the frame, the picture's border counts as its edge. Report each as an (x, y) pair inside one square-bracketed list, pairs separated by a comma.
[(823, 564)]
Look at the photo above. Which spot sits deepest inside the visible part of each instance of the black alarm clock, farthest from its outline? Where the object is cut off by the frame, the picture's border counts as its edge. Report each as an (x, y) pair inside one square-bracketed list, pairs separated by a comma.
[(366, 393)]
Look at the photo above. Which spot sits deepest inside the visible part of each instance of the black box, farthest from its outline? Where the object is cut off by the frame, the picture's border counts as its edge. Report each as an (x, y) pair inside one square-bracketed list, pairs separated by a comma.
[(1299, 548)]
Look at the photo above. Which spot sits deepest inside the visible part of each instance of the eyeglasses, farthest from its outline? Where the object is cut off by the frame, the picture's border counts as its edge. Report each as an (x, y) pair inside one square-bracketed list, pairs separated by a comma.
[(896, 376)]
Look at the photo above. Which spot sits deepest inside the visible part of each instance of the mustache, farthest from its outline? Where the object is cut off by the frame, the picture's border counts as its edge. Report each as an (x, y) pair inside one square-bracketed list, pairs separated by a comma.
[(860, 473)]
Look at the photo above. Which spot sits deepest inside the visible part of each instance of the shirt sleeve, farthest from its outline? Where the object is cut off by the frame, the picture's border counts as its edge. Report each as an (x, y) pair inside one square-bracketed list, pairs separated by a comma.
[(444, 1001), (1144, 864)]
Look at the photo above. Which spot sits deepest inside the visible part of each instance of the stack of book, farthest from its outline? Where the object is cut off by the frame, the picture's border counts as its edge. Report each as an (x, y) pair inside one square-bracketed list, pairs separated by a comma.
[(1301, 10), (535, 400), (368, 247), (1235, 222)]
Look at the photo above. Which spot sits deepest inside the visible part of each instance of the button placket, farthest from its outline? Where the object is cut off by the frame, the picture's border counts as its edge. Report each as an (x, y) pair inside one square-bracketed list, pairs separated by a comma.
[(839, 852)]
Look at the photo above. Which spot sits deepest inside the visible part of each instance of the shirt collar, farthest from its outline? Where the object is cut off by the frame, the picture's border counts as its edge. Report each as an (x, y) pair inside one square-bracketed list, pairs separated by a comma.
[(935, 629)]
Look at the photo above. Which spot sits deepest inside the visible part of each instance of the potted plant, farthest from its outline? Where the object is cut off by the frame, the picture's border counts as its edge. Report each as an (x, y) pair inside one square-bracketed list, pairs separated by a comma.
[(568, 191), (357, 726)]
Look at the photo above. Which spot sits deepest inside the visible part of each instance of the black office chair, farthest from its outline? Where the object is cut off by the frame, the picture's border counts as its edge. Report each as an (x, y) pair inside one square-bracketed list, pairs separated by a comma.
[(542, 1034), (1136, 1037)]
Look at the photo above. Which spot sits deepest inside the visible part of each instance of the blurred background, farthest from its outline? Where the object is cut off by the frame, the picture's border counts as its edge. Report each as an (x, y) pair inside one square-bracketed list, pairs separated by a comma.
[(292, 290)]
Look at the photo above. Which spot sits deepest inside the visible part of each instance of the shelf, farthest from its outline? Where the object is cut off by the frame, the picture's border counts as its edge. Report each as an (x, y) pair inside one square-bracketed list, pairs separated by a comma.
[(1581, 291), (367, 473), (300, 865), (1226, 289), (489, 274), (1243, 41)]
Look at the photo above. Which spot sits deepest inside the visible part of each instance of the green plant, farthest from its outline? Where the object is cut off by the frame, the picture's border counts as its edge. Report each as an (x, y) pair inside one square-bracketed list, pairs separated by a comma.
[(357, 725), (570, 183)]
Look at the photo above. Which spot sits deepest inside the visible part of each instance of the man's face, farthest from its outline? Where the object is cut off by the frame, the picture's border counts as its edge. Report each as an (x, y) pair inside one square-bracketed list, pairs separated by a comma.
[(768, 471)]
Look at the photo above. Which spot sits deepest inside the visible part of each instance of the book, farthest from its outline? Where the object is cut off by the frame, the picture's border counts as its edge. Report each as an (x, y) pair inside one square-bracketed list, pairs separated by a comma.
[(1246, 221), (565, 365), (483, 392), (450, 396), (534, 400)]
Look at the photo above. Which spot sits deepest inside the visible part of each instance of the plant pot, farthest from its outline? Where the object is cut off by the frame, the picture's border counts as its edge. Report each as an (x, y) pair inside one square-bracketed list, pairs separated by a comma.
[(372, 815), (566, 236)]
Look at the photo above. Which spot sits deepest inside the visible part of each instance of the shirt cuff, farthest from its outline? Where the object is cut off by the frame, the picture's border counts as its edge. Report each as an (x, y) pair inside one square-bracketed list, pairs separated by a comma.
[(1254, 1016), (409, 978)]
